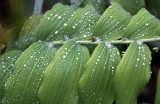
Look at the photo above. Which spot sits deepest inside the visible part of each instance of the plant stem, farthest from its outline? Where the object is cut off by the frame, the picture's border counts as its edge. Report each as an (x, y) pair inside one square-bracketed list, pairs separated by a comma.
[(38, 6), (112, 42)]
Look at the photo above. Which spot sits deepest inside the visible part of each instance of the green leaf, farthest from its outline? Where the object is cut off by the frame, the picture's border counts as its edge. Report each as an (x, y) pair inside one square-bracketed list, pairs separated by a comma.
[(132, 74), (53, 23), (23, 85), (132, 6), (60, 83), (157, 33), (157, 98), (142, 26), (96, 82), (74, 3), (99, 5), (80, 26), (112, 23), (7, 61), (28, 32)]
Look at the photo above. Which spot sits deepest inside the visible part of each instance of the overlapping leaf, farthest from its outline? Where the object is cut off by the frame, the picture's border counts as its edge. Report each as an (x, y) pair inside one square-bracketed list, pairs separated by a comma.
[(132, 6), (7, 61), (73, 3), (80, 26), (99, 5), (28, 33), (112, 23), (157, 98), (132, 74), (157, 32), (96, 82), (52, 24), (22, 86), (60, 83), (142, 26)]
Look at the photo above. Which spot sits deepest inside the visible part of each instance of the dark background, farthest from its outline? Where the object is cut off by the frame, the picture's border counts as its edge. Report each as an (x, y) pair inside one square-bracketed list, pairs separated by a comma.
[(13, 13)]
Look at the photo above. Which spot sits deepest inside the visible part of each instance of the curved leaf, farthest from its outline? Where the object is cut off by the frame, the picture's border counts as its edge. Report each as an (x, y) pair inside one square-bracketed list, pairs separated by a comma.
[(52, 24), (60, 83), (158, 31), (96, 82), (112, 23), (99, 5), (142, 26), (132, 6), (28, 32), (73, 3), (132, 74), (7, 61), (80, 26), (22, 86)]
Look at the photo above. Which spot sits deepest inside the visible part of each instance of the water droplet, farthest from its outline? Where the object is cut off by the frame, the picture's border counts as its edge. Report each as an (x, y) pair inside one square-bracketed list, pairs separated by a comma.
[(56, 32), (86, 13), (59, 17), (56, 15), (84, 36), (66, 37), (64, 56), (139, 42), (74, 27), (3, 66), (65, 24), (50, 45), (108, 44), (146, 24)]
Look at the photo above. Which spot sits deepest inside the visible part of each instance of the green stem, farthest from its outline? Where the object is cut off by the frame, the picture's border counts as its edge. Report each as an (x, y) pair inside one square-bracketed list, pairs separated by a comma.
[(38, 6), (112, 42)]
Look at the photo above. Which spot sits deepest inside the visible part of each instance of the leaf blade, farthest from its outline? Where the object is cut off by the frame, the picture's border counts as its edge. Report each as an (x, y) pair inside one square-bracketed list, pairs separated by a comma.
[(81, 24), (52, 24), (142, 26), (7, 61), (112, 23), (96, 82), (23, 85), (61, 78), (28, 32), (132, 74)]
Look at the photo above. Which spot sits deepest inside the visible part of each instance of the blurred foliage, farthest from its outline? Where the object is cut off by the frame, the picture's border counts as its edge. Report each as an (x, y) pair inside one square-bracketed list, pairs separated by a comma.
[(100, 5), (153, 6), (12, 18), (132, 6)]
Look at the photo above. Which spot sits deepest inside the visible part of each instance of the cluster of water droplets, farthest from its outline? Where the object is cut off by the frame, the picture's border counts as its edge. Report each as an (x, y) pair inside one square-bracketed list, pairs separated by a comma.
[(112, 25), (28, 32)]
